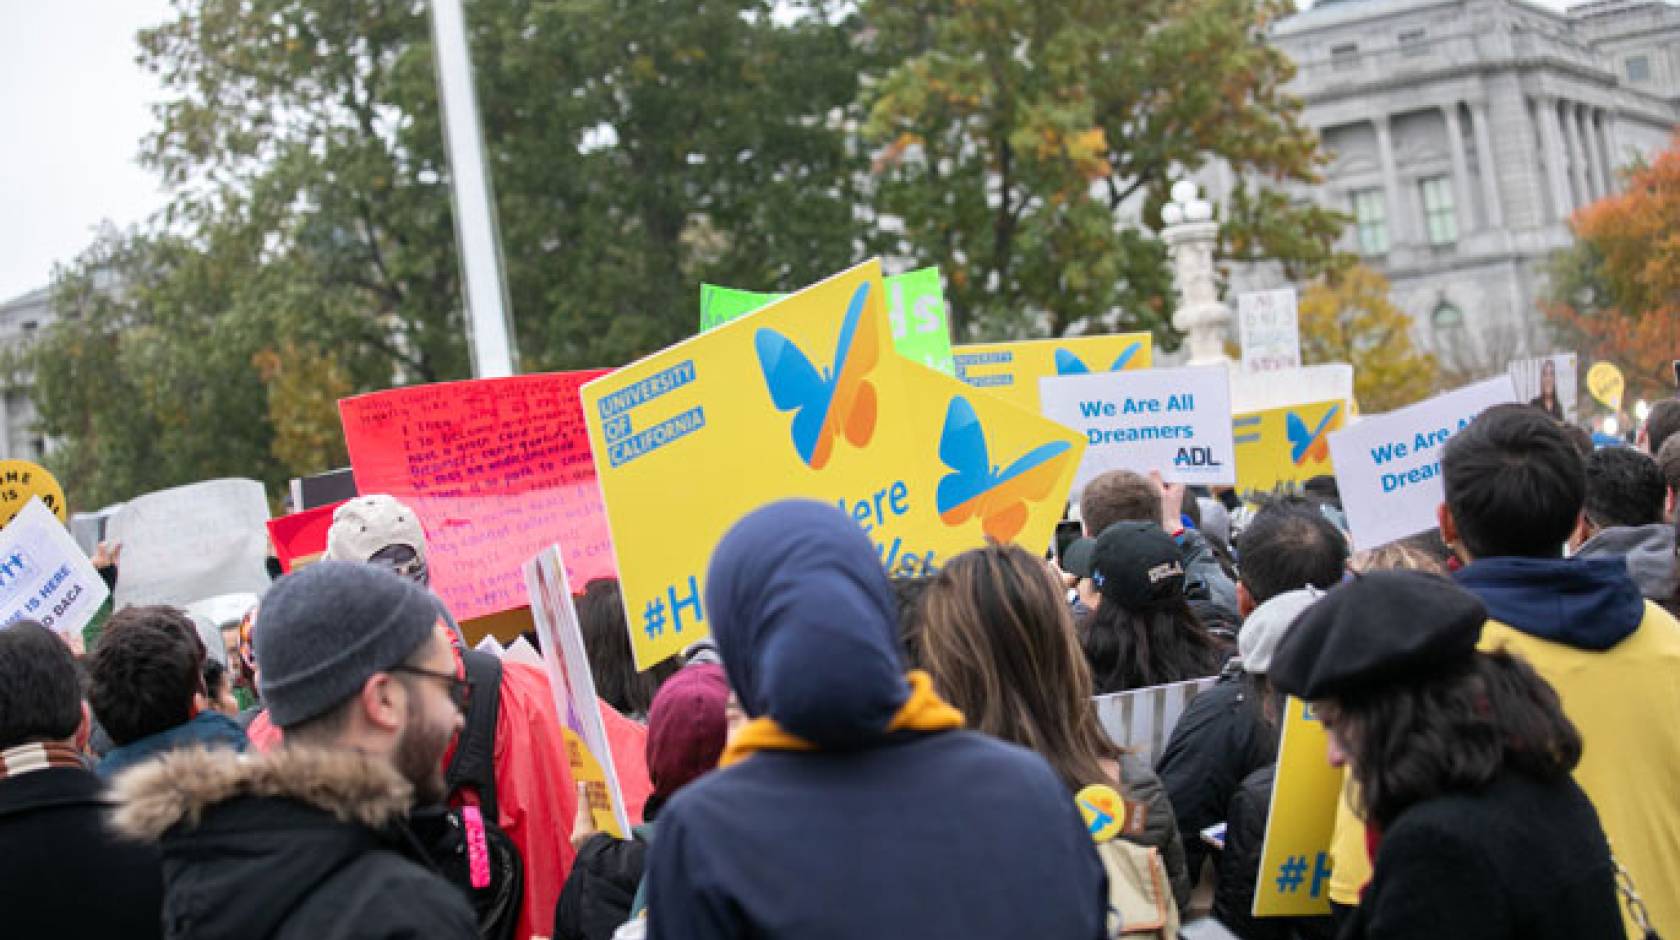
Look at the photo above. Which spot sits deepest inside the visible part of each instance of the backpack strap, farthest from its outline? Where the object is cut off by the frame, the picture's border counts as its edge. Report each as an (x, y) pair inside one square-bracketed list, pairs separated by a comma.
[(474, 763)]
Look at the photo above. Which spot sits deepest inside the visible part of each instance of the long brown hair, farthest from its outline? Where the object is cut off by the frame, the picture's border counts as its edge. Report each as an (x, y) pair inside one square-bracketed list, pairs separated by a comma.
[(999, 642)]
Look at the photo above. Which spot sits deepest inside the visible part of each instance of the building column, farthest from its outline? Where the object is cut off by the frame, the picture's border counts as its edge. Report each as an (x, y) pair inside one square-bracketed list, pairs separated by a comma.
[(1555, 154), (1399, 212), (1606, 151), (1580, 156), (1595, 160), (1595, 143), (1485, 164), (1461, 171)]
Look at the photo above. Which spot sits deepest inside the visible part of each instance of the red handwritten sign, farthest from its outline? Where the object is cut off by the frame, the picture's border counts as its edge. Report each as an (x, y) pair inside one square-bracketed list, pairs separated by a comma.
[(301, 538), (496, 469)]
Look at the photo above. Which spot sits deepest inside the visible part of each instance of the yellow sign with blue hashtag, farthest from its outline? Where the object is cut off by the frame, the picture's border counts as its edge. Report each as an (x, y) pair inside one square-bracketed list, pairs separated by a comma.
[(1295, 861), (1281, 448), (807, 398), (1012, 370)]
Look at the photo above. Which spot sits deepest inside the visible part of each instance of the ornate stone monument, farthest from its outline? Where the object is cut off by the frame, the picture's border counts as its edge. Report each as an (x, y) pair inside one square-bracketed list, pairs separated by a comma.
[(1190, 234)]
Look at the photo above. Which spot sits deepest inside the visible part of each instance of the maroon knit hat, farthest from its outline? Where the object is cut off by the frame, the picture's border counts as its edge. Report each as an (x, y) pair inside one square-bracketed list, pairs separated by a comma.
[(686, 727)]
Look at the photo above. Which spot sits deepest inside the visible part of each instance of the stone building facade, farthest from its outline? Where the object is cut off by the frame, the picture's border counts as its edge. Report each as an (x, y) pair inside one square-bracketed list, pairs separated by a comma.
[(1464, 133), (20, 318)]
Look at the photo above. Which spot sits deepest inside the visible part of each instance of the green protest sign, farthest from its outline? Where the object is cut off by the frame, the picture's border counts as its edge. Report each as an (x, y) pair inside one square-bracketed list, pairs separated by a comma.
[(915, 308), (719, 305)]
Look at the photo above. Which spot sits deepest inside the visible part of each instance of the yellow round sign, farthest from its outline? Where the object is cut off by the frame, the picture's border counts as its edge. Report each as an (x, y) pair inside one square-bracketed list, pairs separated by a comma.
[(20, 481), (1104, 811), (1605, 382)]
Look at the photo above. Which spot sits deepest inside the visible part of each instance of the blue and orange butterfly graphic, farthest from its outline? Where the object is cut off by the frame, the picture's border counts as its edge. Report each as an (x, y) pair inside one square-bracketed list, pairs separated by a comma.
[(1067, 363), (831, 402), (1315, 444), (975, 487)]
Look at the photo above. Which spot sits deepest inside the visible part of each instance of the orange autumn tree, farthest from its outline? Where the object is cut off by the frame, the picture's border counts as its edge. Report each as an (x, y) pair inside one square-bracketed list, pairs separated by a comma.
[(1615, 294)]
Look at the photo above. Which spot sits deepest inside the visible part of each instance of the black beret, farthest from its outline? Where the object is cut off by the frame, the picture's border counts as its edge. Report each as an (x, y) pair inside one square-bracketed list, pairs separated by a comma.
[(1377, 628)]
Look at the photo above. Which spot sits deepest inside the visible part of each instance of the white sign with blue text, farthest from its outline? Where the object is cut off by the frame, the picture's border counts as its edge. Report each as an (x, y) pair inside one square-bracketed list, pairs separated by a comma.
[(1177, 421), (43, 574), (1388, 467)]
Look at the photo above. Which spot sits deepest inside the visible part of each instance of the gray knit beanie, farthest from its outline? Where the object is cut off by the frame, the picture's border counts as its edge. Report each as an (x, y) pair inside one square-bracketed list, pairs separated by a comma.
[(322, 631)]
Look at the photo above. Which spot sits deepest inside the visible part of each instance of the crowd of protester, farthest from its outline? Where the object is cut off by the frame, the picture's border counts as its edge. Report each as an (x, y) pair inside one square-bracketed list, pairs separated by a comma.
[(851, 756)]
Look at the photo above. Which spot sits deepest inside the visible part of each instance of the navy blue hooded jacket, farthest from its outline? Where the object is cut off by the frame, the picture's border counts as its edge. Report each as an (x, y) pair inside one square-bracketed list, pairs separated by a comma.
[(1586, 603), (946, 834)]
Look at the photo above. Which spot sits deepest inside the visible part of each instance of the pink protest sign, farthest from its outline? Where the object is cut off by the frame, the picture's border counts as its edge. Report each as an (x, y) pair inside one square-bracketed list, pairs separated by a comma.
[(497, 470)]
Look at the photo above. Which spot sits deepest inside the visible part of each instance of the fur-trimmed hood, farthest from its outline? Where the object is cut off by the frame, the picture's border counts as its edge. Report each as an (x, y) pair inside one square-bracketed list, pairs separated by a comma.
[(178, 787), (296, 843)]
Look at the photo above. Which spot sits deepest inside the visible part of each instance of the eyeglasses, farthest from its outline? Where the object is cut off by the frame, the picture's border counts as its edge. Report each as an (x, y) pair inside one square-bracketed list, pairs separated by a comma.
[(458, 688)]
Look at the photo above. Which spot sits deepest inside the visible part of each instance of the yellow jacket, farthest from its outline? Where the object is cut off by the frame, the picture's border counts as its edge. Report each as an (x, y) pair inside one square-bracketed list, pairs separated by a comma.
[(1625, 701)]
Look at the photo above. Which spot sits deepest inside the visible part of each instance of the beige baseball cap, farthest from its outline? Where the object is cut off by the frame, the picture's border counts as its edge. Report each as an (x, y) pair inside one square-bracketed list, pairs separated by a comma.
[(366, 525)]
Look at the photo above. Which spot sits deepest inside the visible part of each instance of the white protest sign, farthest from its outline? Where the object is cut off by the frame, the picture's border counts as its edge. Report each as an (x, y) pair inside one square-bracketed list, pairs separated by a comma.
[(1177, 421), (1388, 467), (1270, 329), (1264, 391), (191, 542), (573, 684), (43, 574)]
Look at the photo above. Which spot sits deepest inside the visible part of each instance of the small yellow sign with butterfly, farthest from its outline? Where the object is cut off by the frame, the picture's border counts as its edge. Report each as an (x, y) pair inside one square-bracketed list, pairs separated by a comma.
[(807, 398), (1012, 370), (1285, 447)]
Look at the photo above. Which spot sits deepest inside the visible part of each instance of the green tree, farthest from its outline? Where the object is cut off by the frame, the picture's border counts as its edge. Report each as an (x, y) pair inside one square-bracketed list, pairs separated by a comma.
[(143, 385), (638, 147), (1348, 318), (1013, 135)]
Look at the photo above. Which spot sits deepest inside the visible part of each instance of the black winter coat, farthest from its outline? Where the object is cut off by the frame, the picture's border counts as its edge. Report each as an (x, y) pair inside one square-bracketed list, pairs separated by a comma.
[(603, 882), (600, 888), (1239, 869), (1160, 827), (63, 874), (1520, 859), (298, 844), (1221, 738)]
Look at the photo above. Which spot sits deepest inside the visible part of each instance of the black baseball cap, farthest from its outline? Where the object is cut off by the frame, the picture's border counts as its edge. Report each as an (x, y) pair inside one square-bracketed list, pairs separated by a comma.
[(1136, 565), (1079, 557)]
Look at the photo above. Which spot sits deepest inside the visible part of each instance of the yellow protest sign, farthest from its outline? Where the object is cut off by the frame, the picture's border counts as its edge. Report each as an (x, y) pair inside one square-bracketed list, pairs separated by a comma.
[(1295, 861), (1285, 446), (1605, 382), (21, 481), (806, 398), (1012, 370)]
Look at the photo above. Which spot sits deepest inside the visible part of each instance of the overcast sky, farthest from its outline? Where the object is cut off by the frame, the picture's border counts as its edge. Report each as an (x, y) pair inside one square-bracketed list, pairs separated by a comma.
[(73, 107)]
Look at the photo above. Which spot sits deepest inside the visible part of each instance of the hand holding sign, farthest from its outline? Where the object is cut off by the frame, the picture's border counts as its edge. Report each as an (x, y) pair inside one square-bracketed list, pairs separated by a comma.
[(583, 821), (44, 576)]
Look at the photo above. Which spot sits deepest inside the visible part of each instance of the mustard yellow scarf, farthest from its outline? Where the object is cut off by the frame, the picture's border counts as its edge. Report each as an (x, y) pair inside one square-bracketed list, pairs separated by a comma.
[(924, 711)]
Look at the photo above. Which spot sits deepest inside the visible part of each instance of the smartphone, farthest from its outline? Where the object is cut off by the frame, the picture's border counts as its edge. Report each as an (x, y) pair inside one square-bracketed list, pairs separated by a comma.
[(1067, 531)]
